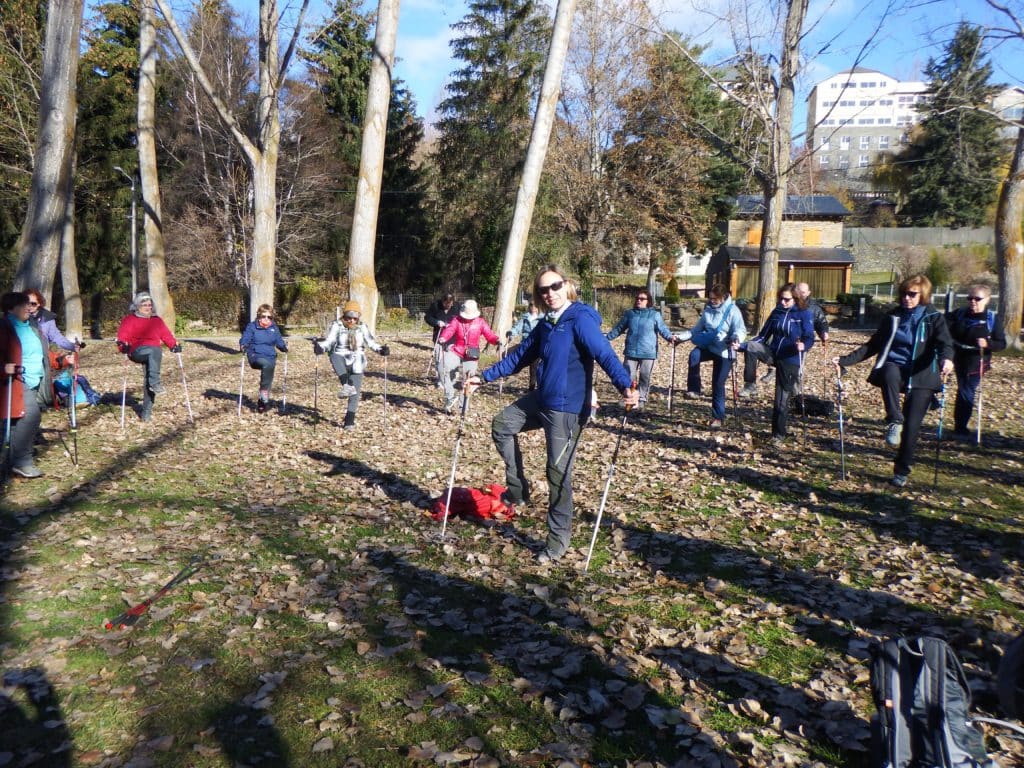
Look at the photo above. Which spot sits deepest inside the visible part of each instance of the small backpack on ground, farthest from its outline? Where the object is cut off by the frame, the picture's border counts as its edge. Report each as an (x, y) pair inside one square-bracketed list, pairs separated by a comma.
[(814, 406), (473, 504), (923, 703)]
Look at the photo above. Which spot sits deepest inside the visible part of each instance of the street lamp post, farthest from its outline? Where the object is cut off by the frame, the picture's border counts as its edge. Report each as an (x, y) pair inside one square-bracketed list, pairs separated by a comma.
[(135, 235)]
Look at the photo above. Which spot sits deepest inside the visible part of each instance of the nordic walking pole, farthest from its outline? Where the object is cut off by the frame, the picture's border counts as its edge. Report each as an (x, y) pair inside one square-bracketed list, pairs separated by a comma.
[(7, 428), (455, 461), (840, 394), (938, 432), (184, 386), (316, 387), (607, 485), (981, 377), (735, 381), (241, 383), (284, 387), (800, 383), (133, 614), (124, 388), (73, 412), (386, 393), (672, 377)]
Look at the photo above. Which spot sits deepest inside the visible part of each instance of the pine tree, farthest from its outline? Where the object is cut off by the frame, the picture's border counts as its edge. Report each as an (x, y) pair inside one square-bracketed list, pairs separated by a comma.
[(484, 130), (954, 154)]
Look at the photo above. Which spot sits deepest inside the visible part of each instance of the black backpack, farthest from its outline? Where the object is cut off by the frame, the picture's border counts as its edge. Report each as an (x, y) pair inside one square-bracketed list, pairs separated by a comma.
[(923, 704)]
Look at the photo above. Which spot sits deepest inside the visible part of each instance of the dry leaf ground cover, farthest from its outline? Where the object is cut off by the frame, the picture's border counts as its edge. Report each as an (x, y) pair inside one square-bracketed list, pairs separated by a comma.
[(725, 619)]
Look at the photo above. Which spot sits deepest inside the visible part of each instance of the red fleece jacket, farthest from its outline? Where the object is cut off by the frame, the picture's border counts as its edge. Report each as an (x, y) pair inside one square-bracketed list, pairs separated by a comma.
[(138, 331)]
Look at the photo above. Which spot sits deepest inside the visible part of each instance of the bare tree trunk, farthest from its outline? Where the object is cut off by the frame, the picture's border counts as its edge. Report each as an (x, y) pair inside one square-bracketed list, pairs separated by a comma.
[(69, 267), (40, 241), (148, 176), (526, 196), (776, 187), (362, 284), (1010, 246)]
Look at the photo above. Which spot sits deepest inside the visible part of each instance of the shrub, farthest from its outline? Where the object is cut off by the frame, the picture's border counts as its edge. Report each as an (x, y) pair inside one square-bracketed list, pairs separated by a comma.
[(939, 270), (672, 291), (853, 299)]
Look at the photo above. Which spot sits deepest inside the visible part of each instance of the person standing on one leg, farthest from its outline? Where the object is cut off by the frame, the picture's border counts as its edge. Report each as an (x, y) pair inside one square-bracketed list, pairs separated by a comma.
[(139, 336), (914, 353), (786, 335), (346, 343), (719, 327), (569, 341), (642, 325), (462, 339), (260, 341), (976, 335), (26, 372)]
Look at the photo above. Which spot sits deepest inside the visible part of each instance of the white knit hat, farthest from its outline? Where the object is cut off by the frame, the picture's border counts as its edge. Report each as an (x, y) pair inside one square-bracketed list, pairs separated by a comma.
[(470, 311)]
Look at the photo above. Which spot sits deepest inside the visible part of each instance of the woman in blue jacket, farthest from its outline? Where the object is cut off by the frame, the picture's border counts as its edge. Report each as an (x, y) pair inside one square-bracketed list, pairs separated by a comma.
[(568, 342), (786, 336), (260, 341), (719, 327), (642, 324)]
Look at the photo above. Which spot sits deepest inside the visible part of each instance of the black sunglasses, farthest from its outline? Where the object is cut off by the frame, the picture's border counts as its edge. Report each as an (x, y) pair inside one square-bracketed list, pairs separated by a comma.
[(911, 294), (555, 286), (350, 317), (642, 298), (976, 298), (785, 298)]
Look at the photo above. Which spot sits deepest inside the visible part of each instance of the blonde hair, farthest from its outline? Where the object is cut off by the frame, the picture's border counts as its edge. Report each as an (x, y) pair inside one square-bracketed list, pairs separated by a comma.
[(570, 287), (923, 286)]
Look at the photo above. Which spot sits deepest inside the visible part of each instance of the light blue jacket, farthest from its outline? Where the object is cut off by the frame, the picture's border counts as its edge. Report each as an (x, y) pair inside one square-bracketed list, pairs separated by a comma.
[(717, 327), (642, 327)]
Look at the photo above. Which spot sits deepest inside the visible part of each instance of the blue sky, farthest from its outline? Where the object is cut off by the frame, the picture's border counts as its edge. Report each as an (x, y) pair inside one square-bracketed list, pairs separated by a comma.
[(913, 31)]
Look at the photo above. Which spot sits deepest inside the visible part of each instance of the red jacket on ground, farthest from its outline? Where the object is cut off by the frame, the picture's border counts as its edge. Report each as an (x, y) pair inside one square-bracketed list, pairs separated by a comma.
[(138, 331)]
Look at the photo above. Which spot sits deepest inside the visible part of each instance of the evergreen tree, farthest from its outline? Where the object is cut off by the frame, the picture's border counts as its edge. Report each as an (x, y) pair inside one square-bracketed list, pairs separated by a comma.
[(951, 162), (484, 130)]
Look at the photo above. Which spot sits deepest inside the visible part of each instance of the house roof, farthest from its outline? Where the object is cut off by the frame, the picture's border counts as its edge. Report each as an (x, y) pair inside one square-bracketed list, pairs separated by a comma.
[(752, 253), (796, 206)]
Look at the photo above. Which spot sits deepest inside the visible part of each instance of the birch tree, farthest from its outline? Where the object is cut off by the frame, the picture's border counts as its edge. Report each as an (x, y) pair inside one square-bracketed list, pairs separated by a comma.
[(39, 246), (261, 152), (152, 220)]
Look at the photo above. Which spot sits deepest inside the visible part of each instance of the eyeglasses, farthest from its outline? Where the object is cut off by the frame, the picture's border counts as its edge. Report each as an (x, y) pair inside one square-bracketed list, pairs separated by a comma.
[(642, 298), (266, 317), (350, 317), (785, 298), (33, 303), (977, 298), (911, 294), (555, 286)]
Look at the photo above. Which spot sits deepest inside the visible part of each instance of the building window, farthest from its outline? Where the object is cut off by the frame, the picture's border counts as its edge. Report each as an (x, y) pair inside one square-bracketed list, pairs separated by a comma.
[(847, 121), (882, 84), (868, 85), (823, 161), (904, 138), (886, 102), (866, 121), (844, 143), (885, 121), (694, 260), (862, 161), (827, 103), (883, 142), (865, 142), (844, 161), (812, 236), (754, 235), (824, 144)]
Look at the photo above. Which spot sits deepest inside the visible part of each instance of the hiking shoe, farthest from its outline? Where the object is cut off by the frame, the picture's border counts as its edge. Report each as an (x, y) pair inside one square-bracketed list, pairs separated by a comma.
[(962, 436), (261, 406), (29, 471), (715, 424), (146, 415), (778, 441), (449, 405), (157, 389), (346, 391), (893, 432), (547, 556), (749, 390), (350, 421), (769, 374), (691, 395), (899, 480)]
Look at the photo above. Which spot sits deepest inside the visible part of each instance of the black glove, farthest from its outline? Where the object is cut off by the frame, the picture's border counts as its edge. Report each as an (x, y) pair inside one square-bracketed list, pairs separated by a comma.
[(508, 335), (385, 351), (80, 344), (176, 348), (317, 349), (122, 347), (285, 349)]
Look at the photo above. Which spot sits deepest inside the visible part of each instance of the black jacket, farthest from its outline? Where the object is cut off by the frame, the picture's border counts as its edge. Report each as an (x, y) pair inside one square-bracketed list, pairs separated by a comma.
[(932, 345), (437, 316), (966, 328)]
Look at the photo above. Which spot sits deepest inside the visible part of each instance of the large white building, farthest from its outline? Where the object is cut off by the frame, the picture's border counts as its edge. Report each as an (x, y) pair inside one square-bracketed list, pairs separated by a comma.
[(856, 116)]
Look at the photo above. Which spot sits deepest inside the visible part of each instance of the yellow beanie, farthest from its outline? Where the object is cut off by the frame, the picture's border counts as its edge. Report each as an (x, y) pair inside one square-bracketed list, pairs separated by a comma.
[(351, 306)]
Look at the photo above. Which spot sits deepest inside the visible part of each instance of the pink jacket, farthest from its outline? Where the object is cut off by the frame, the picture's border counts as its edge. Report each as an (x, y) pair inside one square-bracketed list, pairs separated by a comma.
[(467, 333)]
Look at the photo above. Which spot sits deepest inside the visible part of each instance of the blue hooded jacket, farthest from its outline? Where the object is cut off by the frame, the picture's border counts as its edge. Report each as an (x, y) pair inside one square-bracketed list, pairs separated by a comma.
[(783, 329), (642, 328), (262, 342), (717, 327), (567, 352)]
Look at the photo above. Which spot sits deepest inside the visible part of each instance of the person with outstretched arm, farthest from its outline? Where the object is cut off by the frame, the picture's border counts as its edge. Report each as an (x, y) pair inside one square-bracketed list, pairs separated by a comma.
[(523, 328), (642, 324), (720, 326), (914, 355), (976, 334), (139, 337), (569, 341)]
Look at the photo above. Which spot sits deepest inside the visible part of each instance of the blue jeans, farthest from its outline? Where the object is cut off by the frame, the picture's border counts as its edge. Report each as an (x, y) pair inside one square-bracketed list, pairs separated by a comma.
[(265, 365), (721, 367), (561, 433)]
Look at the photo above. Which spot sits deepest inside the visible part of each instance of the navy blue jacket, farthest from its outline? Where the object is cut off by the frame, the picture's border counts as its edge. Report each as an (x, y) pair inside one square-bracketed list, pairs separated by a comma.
[(783, 329), (261, 342), (567, 352)]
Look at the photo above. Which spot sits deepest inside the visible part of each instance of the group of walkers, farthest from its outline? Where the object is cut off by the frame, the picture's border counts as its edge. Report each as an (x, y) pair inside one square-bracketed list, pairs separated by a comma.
[(560, 339)]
